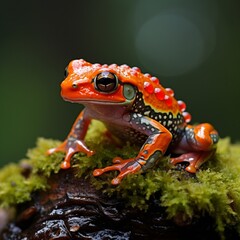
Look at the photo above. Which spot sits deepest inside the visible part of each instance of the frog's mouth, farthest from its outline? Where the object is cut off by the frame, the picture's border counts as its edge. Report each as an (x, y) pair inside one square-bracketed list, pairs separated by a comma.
[(97, 101)]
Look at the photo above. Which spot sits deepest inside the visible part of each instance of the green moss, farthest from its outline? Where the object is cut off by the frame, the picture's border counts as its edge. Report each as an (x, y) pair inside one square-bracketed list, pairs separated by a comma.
[(214, 191), (15, 188), (40, 161)]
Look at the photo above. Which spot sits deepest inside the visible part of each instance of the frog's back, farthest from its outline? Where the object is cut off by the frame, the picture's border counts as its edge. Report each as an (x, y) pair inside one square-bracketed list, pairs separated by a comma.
[(155, 101), (174, 121)]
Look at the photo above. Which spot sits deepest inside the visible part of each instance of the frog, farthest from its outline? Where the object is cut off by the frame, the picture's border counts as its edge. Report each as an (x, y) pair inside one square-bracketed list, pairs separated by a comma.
[(135, 108)]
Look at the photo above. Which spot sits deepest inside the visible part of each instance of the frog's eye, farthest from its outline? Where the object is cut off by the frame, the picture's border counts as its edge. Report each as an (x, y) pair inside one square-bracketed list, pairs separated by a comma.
[(65, 72), (106, 82)]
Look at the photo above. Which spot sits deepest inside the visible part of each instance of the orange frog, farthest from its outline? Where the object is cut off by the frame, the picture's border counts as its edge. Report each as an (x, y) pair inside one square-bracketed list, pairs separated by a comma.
[(136, 108)]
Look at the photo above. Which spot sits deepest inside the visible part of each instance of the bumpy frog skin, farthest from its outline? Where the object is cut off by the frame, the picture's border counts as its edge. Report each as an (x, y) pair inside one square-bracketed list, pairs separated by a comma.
[(136, 108)]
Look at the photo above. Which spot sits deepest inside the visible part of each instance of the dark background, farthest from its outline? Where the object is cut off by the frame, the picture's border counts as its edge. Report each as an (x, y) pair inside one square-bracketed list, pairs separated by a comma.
[(193, 46)]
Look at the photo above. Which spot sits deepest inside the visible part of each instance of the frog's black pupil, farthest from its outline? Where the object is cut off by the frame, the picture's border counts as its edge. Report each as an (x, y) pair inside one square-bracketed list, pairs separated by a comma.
[(106, 82)]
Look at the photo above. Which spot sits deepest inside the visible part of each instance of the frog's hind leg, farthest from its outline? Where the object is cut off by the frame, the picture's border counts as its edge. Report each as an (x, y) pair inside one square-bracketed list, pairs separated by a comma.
[(197, 145)]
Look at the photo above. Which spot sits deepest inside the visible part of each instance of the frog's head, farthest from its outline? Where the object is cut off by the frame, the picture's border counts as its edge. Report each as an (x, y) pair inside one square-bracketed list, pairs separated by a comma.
[(98, 84)]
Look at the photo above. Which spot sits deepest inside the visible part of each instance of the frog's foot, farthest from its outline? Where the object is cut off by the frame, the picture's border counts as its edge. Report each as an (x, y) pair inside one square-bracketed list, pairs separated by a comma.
[(198, 144), (125, 167), (70, 147), (195, 160)]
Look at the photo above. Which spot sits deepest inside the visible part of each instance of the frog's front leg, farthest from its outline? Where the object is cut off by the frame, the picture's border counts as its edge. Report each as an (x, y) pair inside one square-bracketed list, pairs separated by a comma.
[(154, 147), (197, 146), (74, 142)]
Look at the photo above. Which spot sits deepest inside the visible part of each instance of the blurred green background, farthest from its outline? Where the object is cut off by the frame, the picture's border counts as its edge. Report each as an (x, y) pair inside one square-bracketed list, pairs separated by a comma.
[(193, 46)]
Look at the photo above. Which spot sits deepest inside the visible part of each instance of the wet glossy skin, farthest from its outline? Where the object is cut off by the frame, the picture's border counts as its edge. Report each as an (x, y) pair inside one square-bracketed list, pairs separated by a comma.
[(135, 107)]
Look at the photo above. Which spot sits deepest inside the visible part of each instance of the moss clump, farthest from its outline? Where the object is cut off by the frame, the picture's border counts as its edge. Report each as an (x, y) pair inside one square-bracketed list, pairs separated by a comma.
[(213, 191), (40, 161), (15, 188)]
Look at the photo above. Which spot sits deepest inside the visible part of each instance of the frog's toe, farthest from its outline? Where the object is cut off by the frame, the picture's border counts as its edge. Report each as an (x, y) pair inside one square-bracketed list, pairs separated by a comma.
[(191, 169), (129, 169), (65, 165), (116, 181), (117, 160), (125, 167), (98, 172), (122, 162), (52, 150)]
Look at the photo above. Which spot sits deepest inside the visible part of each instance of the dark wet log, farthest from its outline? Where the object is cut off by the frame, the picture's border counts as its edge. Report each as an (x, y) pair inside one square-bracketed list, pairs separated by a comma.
[(73, 209)]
